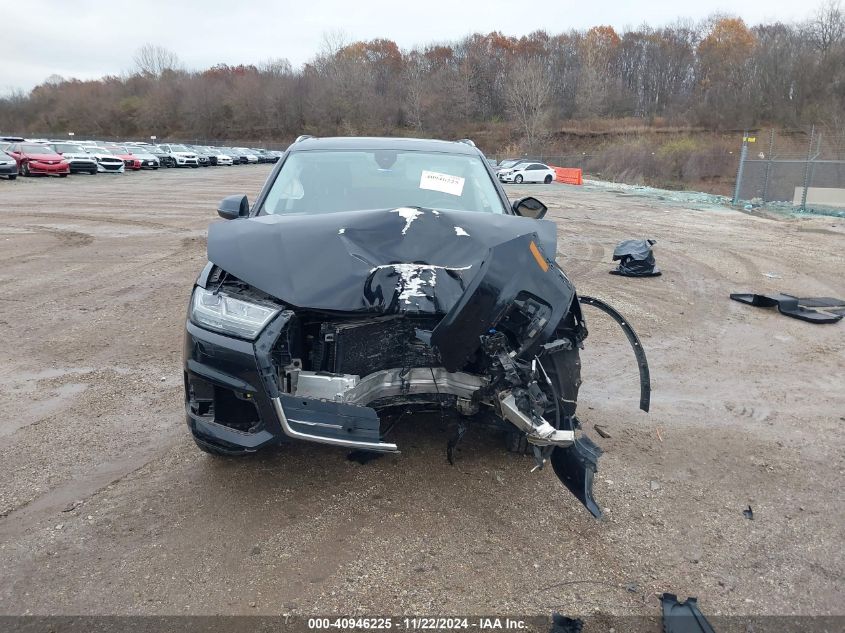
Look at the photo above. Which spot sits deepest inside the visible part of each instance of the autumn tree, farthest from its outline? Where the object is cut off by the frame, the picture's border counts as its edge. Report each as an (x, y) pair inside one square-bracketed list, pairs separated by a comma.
[(724, 73)]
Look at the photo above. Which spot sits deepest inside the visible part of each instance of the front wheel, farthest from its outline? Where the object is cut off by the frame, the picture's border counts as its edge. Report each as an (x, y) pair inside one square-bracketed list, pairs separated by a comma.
[(548, 179), (517, 442), (12, 176), (62, 175), (25, 170), (518, 179)]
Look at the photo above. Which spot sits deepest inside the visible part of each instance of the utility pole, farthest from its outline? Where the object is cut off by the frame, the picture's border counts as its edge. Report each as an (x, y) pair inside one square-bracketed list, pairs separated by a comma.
[(743, 152), (806, 183)]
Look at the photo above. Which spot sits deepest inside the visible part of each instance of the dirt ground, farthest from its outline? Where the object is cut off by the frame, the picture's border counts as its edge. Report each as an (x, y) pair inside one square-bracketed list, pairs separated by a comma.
[(107, 507)]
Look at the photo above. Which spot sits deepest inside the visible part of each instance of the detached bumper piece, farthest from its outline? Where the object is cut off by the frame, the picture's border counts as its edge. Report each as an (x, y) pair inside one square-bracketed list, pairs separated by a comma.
[(576, 467), (810, 309), (683, 617)]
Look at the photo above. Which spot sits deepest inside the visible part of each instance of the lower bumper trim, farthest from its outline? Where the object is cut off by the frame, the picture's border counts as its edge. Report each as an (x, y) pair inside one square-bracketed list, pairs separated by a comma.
[(383, 447)]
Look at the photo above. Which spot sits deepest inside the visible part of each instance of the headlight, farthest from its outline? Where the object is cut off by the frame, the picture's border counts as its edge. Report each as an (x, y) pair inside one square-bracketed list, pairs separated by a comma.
[(220, 312)]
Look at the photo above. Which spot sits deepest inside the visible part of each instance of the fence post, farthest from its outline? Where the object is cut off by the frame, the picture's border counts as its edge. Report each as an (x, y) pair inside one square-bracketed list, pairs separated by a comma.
[(803, 207), (769, 165), (741, 167)]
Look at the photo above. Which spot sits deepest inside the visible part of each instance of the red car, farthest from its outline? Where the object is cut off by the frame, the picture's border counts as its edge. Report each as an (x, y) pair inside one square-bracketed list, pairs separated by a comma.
[(33, 158), (129, 161)]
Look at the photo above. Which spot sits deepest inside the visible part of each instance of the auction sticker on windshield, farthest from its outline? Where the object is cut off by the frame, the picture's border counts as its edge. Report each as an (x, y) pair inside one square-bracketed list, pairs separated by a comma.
[(435, 181)]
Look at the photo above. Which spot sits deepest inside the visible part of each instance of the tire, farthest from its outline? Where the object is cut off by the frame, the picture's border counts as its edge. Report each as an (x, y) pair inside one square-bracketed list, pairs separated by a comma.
[(62, 175), (517, 442), (518, 179), (548, 179), (12, 176), (25, 170), (92, 172)]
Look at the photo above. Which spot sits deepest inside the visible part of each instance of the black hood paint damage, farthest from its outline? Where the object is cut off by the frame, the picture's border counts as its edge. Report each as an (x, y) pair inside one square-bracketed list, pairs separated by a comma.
[(358, 261), (507, 323)]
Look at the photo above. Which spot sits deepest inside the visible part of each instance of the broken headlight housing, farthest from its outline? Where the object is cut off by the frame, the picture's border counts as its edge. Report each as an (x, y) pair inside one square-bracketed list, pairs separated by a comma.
[(223, 313)]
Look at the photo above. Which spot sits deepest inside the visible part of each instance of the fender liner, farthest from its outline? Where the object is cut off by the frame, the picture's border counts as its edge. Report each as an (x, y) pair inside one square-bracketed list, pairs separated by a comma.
[(633, 339)]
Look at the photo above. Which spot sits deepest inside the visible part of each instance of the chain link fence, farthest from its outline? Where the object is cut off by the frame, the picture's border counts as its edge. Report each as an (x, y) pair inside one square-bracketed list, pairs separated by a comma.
[(798, 170)]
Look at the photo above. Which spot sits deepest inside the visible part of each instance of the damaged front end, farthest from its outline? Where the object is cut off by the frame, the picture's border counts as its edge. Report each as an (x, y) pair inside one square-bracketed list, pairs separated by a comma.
[(487, 326)]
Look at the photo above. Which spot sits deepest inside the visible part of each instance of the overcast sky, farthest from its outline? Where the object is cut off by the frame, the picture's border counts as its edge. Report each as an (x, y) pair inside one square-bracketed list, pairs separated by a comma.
[(88, 39)]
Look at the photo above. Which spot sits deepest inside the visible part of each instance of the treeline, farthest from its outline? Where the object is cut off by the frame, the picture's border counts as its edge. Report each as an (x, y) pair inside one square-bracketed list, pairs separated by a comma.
[(718, 75)]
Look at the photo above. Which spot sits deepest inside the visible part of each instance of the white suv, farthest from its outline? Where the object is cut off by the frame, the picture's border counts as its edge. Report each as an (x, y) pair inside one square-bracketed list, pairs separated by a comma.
[(182, 156)]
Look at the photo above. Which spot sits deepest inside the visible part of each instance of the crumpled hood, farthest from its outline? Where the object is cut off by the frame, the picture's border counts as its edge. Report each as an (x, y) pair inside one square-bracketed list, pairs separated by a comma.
[(399, 260)]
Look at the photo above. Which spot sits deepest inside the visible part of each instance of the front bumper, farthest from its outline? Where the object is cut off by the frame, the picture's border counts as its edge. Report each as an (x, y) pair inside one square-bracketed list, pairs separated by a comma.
[(229, 406), (9, 170), (78, 165), (38, 167), (110, 167)]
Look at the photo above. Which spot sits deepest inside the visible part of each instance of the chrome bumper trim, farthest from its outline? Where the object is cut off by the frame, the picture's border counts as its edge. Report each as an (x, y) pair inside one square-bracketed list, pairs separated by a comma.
[(382, 447)]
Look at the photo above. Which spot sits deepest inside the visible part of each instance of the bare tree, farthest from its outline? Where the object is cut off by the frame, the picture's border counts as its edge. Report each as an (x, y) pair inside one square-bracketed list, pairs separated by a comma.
[(153, 60), (828, 27), (415, 87), (529, 91)]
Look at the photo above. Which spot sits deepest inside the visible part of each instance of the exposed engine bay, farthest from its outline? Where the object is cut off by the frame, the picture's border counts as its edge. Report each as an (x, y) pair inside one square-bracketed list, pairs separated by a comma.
[(488, 327)]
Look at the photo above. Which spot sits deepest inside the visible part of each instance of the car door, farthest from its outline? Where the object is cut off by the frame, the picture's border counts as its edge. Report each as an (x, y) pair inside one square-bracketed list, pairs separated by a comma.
[(532, 173)]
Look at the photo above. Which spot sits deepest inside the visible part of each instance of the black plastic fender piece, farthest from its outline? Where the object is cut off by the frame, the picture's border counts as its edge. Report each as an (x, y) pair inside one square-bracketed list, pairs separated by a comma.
[(564, 624), (683, 617), (810, 309), (576, 467), (633, 339)]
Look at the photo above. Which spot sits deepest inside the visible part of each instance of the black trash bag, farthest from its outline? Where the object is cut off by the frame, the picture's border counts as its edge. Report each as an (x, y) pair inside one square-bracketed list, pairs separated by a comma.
[(635, 259)]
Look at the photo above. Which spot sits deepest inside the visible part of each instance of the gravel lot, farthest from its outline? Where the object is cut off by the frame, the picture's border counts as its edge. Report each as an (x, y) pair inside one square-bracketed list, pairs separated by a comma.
[(108, 507)]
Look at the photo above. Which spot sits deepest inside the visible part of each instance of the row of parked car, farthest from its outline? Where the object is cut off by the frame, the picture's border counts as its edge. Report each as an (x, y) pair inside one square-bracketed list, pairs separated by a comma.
[(28, 157)]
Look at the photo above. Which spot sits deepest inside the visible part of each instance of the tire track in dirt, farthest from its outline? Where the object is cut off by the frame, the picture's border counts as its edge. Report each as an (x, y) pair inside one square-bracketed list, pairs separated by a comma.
[(107, 220)]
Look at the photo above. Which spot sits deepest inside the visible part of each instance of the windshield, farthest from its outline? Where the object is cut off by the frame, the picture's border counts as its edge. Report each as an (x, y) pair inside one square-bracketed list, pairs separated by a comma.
[(331, 181), (119, 150), (179, 148), (36, 149), (98, 150), (66, 148), (508, 163)]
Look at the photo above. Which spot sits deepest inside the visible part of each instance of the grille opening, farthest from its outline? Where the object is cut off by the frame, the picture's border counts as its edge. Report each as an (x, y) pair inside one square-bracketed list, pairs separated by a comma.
[(220, 404), (234, 412)]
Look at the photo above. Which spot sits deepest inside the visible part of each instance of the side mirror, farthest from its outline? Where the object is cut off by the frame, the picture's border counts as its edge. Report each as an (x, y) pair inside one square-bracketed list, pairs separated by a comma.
[(529, 208), (233, 207)]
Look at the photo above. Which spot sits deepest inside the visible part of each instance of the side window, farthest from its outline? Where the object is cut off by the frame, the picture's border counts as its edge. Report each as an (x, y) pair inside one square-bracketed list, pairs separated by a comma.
[(534, 167)]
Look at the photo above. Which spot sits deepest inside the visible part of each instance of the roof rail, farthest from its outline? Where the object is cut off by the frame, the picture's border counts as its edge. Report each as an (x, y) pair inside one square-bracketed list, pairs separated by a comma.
[(466, 141), (303, 137)]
